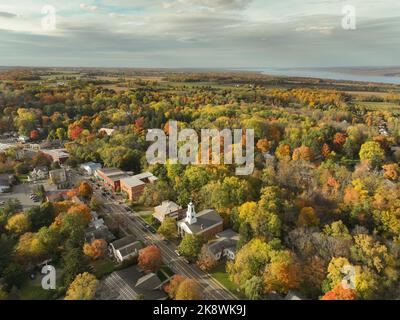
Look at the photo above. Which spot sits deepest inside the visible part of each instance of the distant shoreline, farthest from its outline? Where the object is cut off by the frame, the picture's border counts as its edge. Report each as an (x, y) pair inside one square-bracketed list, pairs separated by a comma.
[(369, 75)]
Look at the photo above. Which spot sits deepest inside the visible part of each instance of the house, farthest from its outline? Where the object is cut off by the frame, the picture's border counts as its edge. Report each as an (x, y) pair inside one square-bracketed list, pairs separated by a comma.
[(90, 167), (98, 230), (5, 186), (57, 155), (23, 139), (39, 173), (134, 186), (54, 196), (107, 131), (133, 284), (225, 244), (59, 178), (206, 223), (125, 248), (168, 209), (111, 177), (294, 295)]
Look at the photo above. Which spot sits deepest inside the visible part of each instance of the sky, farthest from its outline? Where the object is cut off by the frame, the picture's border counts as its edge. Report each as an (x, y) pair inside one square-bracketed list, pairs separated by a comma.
[(199, 33)]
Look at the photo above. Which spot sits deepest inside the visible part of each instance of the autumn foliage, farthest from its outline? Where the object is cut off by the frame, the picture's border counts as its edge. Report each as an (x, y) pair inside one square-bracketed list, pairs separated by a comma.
[(150, 259), (340, 293), (95, 250)]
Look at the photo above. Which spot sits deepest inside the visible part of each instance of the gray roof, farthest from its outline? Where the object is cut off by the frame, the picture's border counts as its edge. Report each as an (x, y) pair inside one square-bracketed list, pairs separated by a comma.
[(167, 207), (218, 245), (99, 233), (293, 295), (133, 276), (205, 219), (130, 248), (137, 180), (228, 233), (91, 165), (4, 183), (148, 282), (120, 243)]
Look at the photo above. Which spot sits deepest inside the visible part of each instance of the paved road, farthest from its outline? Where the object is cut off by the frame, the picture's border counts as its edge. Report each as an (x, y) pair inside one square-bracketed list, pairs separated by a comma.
[(133, 224)]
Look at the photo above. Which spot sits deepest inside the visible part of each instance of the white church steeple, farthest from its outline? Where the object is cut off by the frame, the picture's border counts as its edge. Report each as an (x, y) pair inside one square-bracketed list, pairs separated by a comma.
[(191, 214)]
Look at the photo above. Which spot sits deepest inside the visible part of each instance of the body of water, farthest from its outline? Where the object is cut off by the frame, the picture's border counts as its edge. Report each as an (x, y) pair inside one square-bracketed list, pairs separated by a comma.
[(322, 74)]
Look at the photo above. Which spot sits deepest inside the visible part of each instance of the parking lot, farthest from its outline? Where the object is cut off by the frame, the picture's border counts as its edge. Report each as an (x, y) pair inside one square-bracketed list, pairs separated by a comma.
[(22, 193)]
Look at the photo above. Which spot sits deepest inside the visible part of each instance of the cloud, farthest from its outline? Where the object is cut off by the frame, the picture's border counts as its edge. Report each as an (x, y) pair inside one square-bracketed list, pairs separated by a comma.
[(219, 4), (200, 33), (89, 8), (320, 29), (7, 14)]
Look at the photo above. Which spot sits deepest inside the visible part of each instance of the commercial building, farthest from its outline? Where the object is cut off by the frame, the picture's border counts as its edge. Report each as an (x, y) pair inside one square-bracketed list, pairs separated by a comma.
[(57, 155), (111, 177), (90, 167), (134, 186)]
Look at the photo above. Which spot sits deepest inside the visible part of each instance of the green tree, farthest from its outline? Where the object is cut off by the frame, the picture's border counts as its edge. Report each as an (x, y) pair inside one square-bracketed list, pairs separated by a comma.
[(372, 152), (168, 229), (74, 263), (190, 246), (253, 288)]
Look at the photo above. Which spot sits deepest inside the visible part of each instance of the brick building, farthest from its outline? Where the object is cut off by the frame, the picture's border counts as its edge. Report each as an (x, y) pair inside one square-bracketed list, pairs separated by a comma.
[(57, 155), (111, 177), (168, 209), (134, 186)]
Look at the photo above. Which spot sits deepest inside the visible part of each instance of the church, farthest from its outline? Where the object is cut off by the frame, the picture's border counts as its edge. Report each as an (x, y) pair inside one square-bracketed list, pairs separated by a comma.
[(206, 223)]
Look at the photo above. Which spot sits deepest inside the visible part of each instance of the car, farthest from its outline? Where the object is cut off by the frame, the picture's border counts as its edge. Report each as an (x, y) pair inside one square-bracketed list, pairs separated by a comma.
[(177, 253), (2, 203), (153, 231), (165, 241), (186, 261)]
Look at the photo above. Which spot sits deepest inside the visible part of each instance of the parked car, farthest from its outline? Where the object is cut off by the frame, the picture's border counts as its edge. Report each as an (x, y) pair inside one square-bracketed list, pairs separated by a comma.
[(177, 253)]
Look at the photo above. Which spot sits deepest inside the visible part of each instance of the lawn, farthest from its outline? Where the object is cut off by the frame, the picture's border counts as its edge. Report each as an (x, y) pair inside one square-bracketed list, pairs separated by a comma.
[(220, 274), (149, 219), (33, 291)]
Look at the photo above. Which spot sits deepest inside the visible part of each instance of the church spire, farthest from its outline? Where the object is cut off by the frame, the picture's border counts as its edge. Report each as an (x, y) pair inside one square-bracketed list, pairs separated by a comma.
[(191, 214)]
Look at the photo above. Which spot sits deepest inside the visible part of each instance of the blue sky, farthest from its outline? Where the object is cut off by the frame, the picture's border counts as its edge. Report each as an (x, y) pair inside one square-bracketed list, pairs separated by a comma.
[(200, 33)]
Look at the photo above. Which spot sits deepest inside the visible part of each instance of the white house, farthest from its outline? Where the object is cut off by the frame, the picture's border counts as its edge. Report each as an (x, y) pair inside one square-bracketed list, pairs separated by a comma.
[(225, 244), (125, 248), (39, 173)]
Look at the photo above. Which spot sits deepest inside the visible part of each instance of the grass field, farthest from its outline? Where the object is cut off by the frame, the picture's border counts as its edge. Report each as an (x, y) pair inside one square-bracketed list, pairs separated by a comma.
[(220, 274), (380, 106)]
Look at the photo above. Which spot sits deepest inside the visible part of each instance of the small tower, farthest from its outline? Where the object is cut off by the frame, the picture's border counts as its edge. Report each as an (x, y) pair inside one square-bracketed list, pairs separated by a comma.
[(191, 214)]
